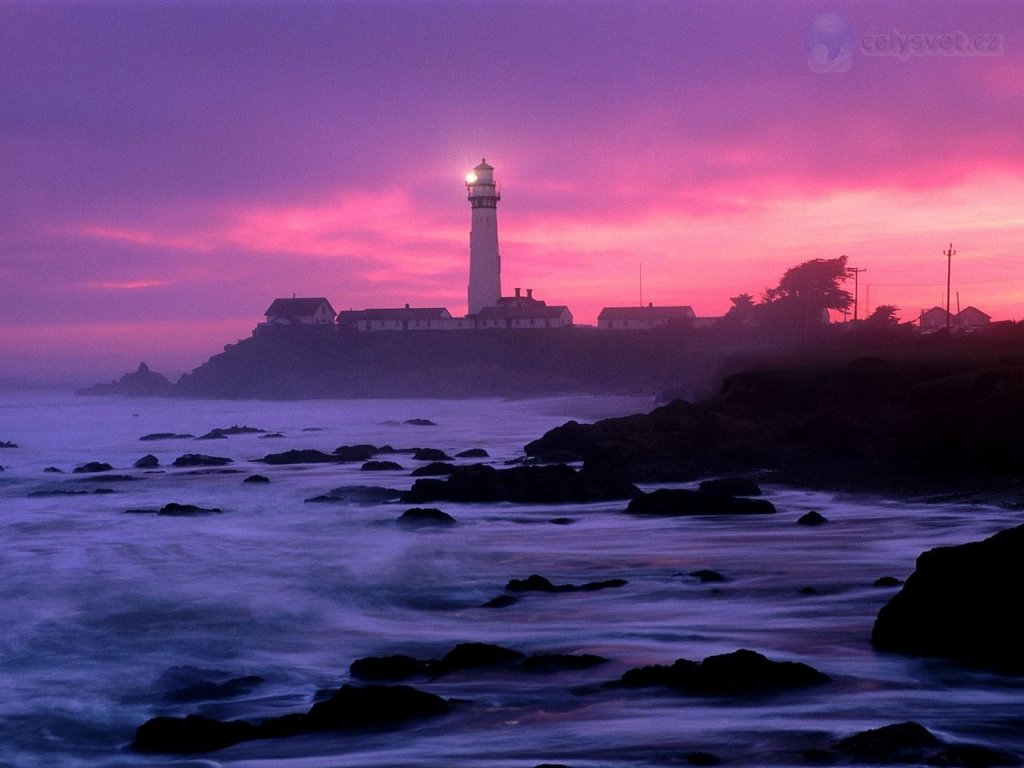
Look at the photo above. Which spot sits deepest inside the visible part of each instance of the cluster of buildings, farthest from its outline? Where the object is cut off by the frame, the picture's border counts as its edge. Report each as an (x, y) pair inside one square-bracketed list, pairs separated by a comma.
[(488, 309)]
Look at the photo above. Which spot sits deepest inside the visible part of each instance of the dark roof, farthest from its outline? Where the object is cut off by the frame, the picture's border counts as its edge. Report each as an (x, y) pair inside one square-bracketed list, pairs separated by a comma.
[(400, 313), (527, 312), (297, 307), (972, 310), (484, 166), (645, 313)]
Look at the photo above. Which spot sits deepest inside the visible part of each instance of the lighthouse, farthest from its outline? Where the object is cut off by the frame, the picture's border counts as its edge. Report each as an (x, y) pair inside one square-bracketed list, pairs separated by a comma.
[(484, 260)]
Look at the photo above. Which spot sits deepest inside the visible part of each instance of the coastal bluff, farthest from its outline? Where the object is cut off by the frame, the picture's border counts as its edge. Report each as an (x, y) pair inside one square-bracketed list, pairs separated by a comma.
[(293, 364)]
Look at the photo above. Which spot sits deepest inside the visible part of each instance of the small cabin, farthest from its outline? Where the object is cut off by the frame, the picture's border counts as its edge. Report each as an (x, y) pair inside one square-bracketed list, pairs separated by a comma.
[(934, 319), (309, 311), (402, 319), (643, 318), (512, 316), (971, 319)]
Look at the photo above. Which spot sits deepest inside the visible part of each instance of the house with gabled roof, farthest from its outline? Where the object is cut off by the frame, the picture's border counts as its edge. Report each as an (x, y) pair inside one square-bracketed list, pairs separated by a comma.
[(307, 311), (643, 318), (971, 319), (537, 315), (934, 319)]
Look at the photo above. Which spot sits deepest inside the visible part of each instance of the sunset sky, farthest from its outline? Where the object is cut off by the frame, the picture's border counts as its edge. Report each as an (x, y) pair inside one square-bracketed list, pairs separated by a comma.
[(169, 168)]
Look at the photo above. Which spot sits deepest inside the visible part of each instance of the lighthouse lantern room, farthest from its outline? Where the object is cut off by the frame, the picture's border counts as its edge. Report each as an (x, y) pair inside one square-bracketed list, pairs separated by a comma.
[(484, 259)]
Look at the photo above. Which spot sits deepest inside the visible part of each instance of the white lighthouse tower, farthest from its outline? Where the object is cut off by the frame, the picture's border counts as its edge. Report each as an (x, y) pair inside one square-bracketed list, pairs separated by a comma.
[(484, 260)]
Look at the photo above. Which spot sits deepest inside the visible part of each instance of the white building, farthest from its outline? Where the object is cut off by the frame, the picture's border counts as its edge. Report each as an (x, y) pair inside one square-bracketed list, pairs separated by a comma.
[(403, 319), (315, 311), (484, 259), (643, 318)]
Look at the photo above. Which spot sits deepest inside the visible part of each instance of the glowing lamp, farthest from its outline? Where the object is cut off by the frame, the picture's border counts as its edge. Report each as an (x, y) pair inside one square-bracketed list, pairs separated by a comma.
[(470, 178)]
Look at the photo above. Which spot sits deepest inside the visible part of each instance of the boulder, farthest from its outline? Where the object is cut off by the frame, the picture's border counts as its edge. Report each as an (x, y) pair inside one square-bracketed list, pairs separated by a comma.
[(812, 518), (93, 466), (380, 466), (222, 432), (434, 469), (962, 603), (420, 423), (300, 456), (681, 502), (256, 479), (167, 436), (149, 461), (425, 516), (739, 673), (387, 668), (525, 485), (707, 576), (360, 452), (475, 655), (912, 743), (200, 460), (472, 453), (185, 510), (430, 454), (7, 444), (189, 735)]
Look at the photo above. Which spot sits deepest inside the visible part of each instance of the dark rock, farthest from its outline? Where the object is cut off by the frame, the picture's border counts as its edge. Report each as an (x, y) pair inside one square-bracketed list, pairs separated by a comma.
[(808, 591), (149, 461), (682, 502), (271, 435), (54, 469), (7, 444), (961, 603), (420, 422), (501, 601), (562, 520), (374, 706), (739, 673), (434, 469), (189, 735), (972, 756), (380, 466), (474, 656), (256, 479), (426, 516), (186, 510), (167, 436), (524, 485), (93, 466), (593, 586), (558, 456), (472, 453), (300, 456), (887, 581), (536, 583), (812, 518), (548, 663), (222, 432), (351, 707), (707, 576), (430, 454), (731, 486), (140, 383), (387, 668), (200, 460), (907, 742), (361, 452), (703, 758), (358, 494)]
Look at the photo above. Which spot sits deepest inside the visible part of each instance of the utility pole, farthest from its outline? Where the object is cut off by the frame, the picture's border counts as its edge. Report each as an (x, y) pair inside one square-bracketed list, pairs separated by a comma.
[(856, 275), (949, 270)]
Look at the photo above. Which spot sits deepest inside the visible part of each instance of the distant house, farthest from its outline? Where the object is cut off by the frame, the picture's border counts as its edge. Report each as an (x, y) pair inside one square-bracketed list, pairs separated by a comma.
[(315, 311), (402, 319), (971, 319), (934, 319), (642, 318), (537, 315)]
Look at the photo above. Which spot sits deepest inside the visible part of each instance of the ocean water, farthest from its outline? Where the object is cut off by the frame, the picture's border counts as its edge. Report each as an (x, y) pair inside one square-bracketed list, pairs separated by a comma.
[(101, 608)]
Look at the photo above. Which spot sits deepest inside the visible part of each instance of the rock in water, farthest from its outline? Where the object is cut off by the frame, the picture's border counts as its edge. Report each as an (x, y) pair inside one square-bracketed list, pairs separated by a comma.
[(961, 603), (681, 502)]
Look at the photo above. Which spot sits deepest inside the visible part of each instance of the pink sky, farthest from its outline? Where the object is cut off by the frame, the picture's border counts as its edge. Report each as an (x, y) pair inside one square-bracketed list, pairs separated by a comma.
[(170, 168)]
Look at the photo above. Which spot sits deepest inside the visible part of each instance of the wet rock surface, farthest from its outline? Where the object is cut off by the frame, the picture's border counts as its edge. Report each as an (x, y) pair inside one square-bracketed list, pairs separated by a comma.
[(670, 502), (961, 603)]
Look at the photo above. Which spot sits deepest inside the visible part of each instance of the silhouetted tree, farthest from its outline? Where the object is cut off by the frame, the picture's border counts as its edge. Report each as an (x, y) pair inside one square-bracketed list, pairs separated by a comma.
[(805, 292), (883, 316)]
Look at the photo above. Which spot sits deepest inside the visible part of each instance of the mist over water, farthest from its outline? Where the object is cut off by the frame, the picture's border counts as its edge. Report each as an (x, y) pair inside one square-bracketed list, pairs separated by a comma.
[(100, 606)]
